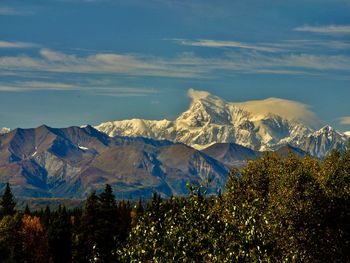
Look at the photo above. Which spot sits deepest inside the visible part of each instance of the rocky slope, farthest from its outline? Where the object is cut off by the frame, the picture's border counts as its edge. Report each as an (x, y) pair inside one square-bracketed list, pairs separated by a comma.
[(72, 162), (231, 154)]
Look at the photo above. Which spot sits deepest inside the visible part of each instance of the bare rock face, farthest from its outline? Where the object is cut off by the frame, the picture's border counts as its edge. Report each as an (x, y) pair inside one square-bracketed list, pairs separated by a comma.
[(72, 162)]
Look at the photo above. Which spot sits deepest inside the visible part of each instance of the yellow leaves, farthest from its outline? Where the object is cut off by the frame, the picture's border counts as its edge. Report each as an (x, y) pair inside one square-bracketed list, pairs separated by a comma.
[(34, 236), (31, 225)]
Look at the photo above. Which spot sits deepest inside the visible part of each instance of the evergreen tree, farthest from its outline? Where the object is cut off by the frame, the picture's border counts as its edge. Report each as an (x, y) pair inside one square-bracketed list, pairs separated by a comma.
[(124, 220), (11, 245), (59, 237), (108, 222), (7, 202), (27, 210), (88, 237), (46, 217)]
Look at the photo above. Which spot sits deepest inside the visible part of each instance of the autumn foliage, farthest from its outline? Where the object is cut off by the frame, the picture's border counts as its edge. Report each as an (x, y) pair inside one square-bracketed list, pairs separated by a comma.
[(34, 240)]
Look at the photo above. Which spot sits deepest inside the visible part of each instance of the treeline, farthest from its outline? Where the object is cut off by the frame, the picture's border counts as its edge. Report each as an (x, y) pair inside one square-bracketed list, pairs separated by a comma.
[(88, 235), (273, 210)]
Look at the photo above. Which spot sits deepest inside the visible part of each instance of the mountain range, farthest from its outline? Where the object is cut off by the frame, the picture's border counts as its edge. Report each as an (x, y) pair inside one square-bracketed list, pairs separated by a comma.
[(259, 125), (74, 161), (138, 157)]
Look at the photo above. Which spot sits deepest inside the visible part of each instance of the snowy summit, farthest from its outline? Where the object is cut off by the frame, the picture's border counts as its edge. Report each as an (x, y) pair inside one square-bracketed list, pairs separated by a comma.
[(260, 125)]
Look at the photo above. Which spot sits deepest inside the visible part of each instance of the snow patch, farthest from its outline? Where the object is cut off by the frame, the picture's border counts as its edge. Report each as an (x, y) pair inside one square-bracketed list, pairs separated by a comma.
[(83, 148), (4, 130)]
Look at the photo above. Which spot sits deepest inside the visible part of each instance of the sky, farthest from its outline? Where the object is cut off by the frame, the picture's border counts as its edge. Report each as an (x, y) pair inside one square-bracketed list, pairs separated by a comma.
[(73, 62)]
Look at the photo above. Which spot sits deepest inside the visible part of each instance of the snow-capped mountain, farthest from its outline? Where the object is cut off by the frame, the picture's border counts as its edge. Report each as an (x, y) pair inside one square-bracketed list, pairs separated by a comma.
[(4, 130), (259, 125), (321, 142)]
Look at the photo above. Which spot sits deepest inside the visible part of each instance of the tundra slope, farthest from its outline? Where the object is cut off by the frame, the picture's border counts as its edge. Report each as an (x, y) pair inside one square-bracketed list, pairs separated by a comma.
[(72, 162)]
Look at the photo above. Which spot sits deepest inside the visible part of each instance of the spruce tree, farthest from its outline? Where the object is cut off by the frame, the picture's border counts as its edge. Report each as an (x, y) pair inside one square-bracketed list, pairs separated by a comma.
[(46, 216), (27, 210), (124, 220), (89, 230), (7, 202), (107, 224), (59, 237)]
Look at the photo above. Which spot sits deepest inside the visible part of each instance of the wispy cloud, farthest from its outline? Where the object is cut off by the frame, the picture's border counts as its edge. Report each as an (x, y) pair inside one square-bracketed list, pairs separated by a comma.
[(10, 11), (35, 85), (186, 65), (101, 88), (225, 44), (344, 120), (286, 46), (328, 29), (7, 44), (123, 91), (312, 44), (100, 63)]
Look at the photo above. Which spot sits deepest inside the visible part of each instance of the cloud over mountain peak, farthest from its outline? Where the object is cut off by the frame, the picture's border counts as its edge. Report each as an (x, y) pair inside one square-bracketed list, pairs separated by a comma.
[(260, 109), (288, 109)]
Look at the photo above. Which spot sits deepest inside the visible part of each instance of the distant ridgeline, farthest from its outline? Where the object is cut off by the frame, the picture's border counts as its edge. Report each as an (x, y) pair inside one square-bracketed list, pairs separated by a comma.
[(71, 162)]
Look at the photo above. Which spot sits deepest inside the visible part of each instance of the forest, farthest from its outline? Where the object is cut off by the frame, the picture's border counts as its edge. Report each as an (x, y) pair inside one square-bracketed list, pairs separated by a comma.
[(275, 209)]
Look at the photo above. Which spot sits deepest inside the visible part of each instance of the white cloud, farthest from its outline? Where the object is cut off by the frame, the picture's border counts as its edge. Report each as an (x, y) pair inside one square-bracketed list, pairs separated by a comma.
[(123, 91), (197, 94), (35, 85), (291, 110), (328, 29), (286, 46), (7, 44), (9, 11), (317, 62), (104, 63), (225, 44), (344, 120), (103, 88), (312, 44), (55, 56), (186, 65)]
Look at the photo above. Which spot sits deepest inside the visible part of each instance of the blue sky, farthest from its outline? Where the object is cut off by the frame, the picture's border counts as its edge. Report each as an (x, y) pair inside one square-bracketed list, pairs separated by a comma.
[(72, 62)]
